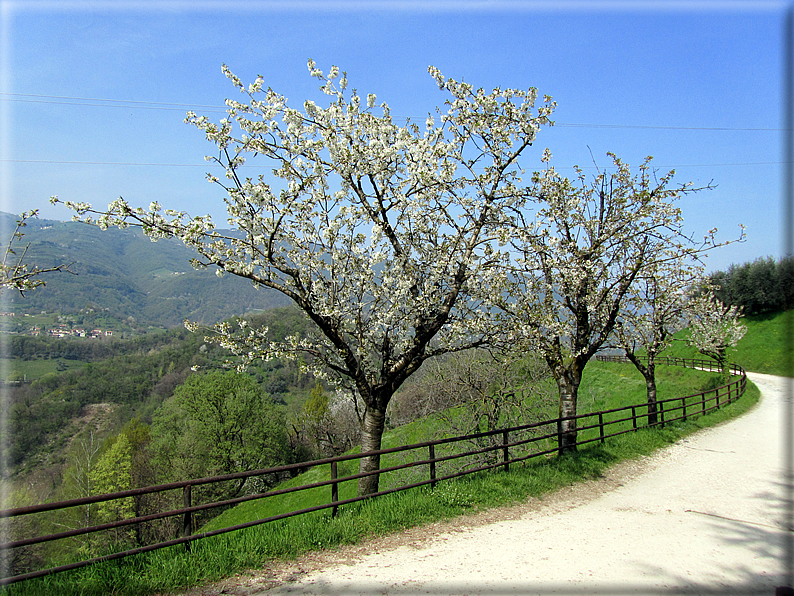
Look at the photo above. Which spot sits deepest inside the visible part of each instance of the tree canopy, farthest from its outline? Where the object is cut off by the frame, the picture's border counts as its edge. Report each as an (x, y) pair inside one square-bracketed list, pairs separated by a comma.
[(386, 236), (714, 327), (580, 252), (218, 423)]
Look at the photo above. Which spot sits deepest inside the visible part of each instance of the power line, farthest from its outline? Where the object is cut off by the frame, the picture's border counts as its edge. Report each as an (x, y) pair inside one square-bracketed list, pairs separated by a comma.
[(153, 105), (196, 165), (106, 163), (110, 102), (723, 128)]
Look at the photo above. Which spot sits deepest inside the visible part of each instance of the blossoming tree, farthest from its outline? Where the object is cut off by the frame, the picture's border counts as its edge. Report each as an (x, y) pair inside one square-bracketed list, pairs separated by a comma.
[(714, 327), (388, 237), (579, 254), (655, 308)]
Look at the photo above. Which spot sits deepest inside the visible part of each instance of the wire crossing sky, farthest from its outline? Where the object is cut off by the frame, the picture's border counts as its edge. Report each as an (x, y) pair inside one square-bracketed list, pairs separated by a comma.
[(93, 94)]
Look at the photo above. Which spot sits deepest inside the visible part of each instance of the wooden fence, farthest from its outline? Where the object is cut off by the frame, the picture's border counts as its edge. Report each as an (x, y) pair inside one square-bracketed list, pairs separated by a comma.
[(505, 447)]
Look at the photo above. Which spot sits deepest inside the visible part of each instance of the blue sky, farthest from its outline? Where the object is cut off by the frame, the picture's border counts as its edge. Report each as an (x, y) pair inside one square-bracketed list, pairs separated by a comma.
[(94, 93)]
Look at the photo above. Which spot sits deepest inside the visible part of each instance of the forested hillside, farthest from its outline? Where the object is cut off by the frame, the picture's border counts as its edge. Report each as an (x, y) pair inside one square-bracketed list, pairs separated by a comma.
[(129, 378), (128, 275)]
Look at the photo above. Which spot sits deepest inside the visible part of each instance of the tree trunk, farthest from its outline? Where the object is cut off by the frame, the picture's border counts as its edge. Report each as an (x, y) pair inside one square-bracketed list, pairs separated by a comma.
[(371, 433), (722, 360), (648, 371), (650, 385), (569, 390)]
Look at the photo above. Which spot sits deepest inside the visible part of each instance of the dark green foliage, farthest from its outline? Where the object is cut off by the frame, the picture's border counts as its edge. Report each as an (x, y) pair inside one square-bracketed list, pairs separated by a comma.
[(762, 286), (218, 423)]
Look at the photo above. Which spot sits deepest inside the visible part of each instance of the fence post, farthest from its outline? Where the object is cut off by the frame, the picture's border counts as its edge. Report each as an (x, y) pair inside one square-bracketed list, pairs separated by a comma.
[(187, 518), (661, 412), (505, 453), (432, 449), (717, 397), (601, 425), (334, 490), (683, 405), (559, 436), (634, 417)]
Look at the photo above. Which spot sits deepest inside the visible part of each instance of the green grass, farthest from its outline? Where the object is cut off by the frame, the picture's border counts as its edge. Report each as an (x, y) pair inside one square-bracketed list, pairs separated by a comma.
[(35, 369), (607, 385), (762, 349)]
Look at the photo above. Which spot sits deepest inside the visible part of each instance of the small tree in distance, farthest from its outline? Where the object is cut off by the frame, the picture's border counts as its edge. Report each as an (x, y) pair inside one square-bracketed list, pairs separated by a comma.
[(714, 327), (654, 310), (387, 237), (321, 424)]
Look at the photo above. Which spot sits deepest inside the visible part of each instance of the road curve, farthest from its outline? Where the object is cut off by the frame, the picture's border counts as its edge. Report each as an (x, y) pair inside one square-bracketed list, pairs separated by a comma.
[(703, 516)]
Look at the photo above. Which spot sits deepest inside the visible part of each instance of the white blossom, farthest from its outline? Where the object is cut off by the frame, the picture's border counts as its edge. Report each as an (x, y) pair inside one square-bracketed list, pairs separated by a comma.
[(579, 256), (15, 272), (389, 238), (714, 327)]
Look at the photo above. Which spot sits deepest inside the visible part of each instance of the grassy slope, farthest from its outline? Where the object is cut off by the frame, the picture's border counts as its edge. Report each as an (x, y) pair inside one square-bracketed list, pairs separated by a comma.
[(762, 349), (210, 559), (35, 369), (605, 385)]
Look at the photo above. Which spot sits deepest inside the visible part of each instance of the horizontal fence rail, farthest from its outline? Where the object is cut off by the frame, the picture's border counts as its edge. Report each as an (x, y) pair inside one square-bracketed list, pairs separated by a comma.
[(502, 448)]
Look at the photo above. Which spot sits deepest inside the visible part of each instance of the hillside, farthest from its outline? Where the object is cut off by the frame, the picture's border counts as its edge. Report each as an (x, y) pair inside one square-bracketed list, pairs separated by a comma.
[(763, 349), (604, 386), (76, 396), (125, 378), (126, 274)]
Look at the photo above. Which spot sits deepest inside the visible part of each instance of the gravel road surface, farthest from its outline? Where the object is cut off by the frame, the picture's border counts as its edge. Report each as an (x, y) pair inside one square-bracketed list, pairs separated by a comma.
[(704, 516)]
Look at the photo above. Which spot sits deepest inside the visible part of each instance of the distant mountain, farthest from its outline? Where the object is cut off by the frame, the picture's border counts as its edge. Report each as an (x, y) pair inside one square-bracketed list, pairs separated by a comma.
[(128, 274)]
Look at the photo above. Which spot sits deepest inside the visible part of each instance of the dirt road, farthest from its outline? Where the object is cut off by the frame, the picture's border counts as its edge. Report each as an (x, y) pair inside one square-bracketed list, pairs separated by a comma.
[(703, 516)]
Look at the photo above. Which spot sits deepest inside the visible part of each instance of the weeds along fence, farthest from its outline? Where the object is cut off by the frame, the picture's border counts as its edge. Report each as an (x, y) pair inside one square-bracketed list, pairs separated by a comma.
[(410, 466)]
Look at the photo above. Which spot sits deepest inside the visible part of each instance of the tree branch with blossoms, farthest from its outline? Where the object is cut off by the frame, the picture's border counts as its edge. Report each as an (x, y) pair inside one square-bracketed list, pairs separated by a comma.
[(15, 273), (580, 253), (390, 238)]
